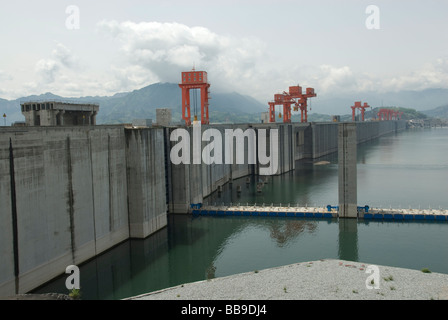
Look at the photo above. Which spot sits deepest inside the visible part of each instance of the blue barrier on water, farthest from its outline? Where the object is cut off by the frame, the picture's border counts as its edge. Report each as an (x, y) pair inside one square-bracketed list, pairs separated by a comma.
[(196, 205), (365, 208), (198, 210)]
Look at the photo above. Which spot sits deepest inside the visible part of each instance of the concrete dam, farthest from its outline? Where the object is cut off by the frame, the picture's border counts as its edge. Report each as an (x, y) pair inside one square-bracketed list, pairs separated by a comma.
[(68, 194)]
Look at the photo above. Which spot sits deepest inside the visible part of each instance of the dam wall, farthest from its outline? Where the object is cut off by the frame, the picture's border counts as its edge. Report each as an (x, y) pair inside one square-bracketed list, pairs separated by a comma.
[(146, 183), (189, 183), (323, 137), (68, 194), (63, 200)]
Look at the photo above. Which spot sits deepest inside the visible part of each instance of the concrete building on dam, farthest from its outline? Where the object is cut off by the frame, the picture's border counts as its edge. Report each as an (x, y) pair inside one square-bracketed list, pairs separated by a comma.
[(56, 113), (69, 192)]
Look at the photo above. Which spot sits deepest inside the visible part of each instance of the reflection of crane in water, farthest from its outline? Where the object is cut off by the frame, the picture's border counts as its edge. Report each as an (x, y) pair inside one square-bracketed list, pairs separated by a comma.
[(288, 230)]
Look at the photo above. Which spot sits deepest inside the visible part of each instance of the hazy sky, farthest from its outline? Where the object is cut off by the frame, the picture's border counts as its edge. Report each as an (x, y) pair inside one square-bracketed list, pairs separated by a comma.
[(252, 47)]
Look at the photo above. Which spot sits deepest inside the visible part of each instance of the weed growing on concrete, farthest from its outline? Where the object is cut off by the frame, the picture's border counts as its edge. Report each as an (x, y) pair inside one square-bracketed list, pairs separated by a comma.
[(75, 294), (426, 270), (389, 278)]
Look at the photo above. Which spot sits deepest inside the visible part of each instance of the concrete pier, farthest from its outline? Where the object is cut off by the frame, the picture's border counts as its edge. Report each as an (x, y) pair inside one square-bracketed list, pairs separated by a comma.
[(347, 147)]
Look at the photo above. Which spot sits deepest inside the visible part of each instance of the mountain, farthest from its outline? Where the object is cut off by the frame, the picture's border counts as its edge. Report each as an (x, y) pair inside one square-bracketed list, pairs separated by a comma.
[(142, 104), (419, 100), (439, 112), (233, 107)]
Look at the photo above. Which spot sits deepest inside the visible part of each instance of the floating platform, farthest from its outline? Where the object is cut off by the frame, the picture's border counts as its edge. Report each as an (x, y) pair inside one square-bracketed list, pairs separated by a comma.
[(406, 214), (320, 212)]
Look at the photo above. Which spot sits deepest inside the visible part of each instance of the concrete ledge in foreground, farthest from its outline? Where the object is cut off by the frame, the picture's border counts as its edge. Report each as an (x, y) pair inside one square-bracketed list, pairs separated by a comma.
[(327, 279)]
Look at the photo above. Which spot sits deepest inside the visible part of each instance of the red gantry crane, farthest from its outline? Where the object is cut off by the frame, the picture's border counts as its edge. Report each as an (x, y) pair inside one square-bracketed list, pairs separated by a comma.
[(293, 97), (284, 100), (361, 107), (384, 114), (389, 114), (195, 80)]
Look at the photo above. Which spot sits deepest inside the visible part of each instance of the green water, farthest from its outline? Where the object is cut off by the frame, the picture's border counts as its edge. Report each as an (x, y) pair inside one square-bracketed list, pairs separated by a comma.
[(408, 169)]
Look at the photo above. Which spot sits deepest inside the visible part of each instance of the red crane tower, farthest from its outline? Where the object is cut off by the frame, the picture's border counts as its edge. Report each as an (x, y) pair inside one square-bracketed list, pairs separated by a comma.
[(302, 102), (389, 114), (294, 96), (195, 80), (383, 114), (359, 106), (396, 114), (281, 99)]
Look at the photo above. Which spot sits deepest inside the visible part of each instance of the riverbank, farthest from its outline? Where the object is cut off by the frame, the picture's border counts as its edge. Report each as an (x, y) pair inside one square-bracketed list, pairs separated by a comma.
[(315, 280)]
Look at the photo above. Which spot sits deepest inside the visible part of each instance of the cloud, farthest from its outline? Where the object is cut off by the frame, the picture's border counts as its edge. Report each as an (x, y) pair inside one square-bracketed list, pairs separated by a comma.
[(64, 56), (166, 49), (430, 75), (47, 69), (61, 57), (332, 78), (5, 76), (149, 52)]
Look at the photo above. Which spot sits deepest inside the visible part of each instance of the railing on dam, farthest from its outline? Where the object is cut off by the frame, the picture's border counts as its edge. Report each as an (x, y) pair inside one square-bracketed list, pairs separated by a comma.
[(326, 212)]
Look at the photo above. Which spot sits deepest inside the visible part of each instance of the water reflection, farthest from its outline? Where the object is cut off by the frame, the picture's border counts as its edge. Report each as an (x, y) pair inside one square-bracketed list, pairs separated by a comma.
[(348, 239), (285, 232)]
